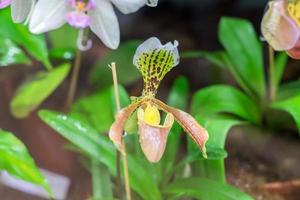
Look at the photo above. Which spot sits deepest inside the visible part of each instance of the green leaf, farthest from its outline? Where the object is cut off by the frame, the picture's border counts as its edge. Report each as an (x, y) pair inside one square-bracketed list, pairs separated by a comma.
[(205, 189), (11, 54), (34, 44), (123, 57), (288, 90), (99, 109), (33, 92), (245, 52), (292, 106), (102, 186), (224, 99), (64, 38), (280, 64), (101, 148), (15, 159)]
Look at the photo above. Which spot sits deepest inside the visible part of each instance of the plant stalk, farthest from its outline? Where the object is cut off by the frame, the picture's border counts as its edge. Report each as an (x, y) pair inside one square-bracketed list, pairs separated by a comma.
[(123, 146), (272, 84)]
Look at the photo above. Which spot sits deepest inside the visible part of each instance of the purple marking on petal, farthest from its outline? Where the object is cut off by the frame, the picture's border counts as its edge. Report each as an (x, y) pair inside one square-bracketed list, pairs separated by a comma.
[(72, 2), (4, 3), (78, 20), (90, 4)]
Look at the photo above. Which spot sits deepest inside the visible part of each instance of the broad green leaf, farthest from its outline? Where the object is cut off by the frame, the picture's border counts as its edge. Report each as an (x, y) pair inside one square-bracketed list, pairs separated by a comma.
[(102, 186), (224, 99), (99, 147), (288, 90), (99, 109), (245, 52), (280, 64), (205, 189), (218, 128), (33, 92), (292, 106), (15, 159), (62, 53), (18, 33), (123, 57), (11, 54)]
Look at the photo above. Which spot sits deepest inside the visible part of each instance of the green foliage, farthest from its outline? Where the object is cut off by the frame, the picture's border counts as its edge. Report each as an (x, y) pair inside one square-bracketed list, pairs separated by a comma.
[(127, 73), (245, 53), (220, 99), (35, 45), (204, 189), (15, 159), (11, 54), (34, 91)]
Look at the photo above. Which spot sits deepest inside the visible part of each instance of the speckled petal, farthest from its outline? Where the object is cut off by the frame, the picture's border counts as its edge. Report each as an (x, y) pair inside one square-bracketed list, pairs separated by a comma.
[(117, 128), (188, 123), (21, 9), (280, 31), (153, 139)]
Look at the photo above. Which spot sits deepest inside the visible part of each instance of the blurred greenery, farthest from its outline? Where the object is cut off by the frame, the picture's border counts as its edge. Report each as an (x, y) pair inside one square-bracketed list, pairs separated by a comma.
[(15, 159), (34, 91)]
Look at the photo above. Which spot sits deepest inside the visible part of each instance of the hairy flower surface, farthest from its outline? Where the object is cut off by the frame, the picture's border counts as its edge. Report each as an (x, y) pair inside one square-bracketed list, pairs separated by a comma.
[(154, 61), (281, 26), (20, 9), (99, 15)]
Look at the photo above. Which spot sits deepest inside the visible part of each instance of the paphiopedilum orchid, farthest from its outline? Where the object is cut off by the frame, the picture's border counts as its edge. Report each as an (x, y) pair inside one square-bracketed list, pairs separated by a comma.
[(154, 61), (99, 15), (20, 9), (281, 26)]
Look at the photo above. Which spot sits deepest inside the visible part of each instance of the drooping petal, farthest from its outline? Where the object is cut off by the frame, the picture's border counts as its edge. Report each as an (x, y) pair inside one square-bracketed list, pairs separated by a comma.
[(188, 123), (104, 23), (117, 128), (153, 138), (129, 6), (21, 9), (154, 61), (280, 31), (5, 3), (295, 51), (48, 15)]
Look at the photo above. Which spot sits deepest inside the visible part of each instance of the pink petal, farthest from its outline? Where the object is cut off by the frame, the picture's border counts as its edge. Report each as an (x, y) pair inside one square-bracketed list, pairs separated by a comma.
[(295, 51), (280, 31), (78, 19), (188, 123), (5, 3), (153, 139), (117, 128)]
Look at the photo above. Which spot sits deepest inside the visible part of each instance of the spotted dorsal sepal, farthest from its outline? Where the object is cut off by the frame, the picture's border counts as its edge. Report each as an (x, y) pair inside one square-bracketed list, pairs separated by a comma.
[(154, 61)]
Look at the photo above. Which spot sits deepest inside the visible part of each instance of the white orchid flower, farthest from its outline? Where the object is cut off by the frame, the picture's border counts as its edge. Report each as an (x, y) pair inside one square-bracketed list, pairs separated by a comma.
[(20, 9), (99, 15)]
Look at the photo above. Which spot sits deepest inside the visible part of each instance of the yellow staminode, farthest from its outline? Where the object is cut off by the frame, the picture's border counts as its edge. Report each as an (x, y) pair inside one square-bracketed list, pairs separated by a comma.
[(293, 9), (152, 115)]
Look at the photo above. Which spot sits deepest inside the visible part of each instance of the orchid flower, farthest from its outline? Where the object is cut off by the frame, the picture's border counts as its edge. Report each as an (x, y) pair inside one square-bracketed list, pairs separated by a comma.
[(154, 61), (20, 9), (99, 15), (281, 26)]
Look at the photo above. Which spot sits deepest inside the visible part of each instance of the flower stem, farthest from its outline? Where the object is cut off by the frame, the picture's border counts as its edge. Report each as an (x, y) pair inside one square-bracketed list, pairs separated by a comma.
[(124, 156), (272, 84), (74, 79)]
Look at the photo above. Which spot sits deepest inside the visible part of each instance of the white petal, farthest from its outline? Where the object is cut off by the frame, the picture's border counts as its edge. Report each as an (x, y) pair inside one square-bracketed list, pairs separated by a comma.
[(48, 15), (104, 24), (129, 6), (20, 9), (154, 43)]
